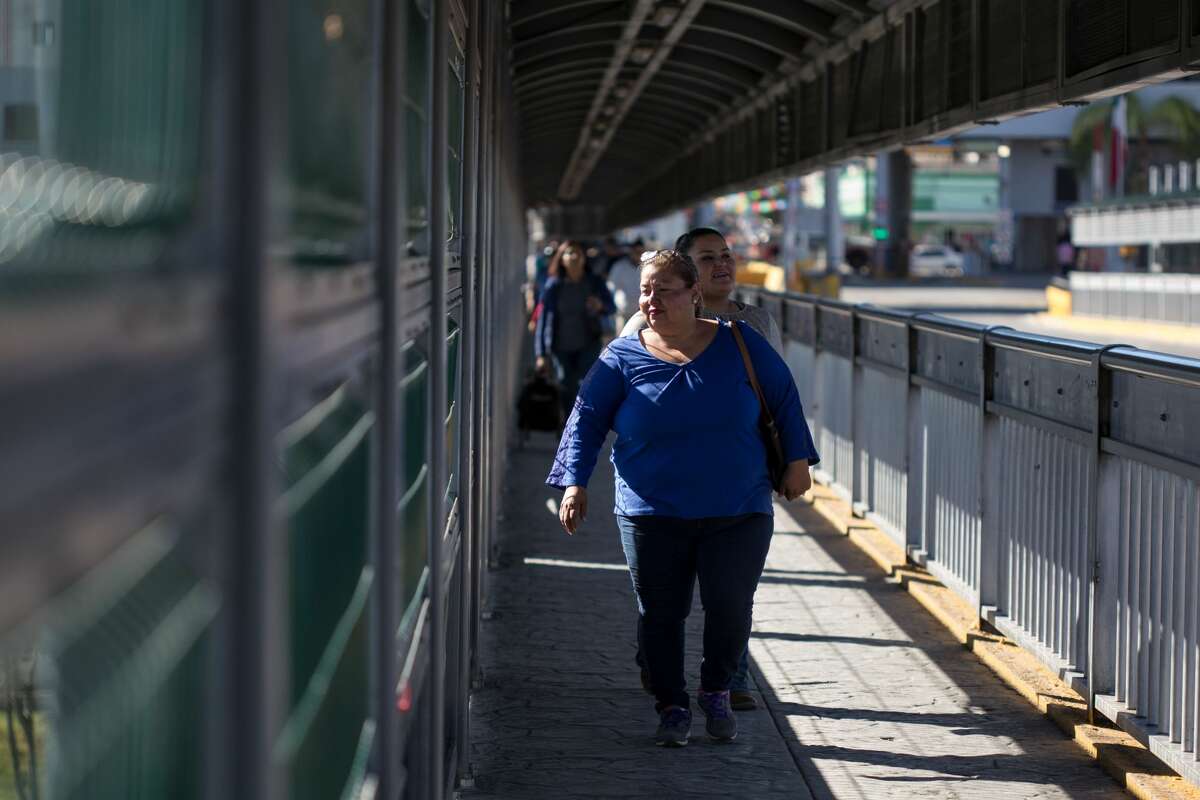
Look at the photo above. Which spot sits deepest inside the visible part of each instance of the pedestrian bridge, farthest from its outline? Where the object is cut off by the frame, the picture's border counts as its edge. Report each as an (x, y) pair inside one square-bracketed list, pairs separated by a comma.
[(1036, 482), (263, 531)]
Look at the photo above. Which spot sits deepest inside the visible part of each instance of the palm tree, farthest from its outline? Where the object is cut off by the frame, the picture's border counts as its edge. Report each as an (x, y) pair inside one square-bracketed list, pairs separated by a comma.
[(1182, 120), (1096, 119), (1174, 116)]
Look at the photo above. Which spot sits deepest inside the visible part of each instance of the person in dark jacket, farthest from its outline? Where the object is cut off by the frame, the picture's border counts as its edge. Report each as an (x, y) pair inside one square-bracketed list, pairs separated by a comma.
[(570, 325)]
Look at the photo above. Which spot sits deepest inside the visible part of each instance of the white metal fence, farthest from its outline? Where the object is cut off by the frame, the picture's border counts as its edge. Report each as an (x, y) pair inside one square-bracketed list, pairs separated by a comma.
[(1155, 297), (1053, 484)]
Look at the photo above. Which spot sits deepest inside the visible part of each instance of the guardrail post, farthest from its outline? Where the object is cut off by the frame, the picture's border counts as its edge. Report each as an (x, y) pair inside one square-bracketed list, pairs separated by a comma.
[(1102, 556), (914, 460), (858, 503), (990, 552)]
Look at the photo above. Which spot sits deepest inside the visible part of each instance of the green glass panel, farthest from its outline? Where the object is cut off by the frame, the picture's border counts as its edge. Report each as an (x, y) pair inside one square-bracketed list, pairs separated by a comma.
[(323, 739), (326, 465), (330, 78), (453, 383), (100, 141), (456, 97), (414, 502), (416, 142), (114, 677)]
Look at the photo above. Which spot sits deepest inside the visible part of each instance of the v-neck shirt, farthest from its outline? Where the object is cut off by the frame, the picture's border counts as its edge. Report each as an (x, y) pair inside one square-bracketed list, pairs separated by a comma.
[(688, 443)]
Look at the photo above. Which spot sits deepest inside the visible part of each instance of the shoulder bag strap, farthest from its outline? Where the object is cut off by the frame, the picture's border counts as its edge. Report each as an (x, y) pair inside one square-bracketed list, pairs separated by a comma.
[(741, 343)]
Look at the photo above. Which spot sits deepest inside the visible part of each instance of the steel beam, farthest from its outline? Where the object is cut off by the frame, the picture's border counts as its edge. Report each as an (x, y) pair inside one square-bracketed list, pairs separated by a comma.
[(756, 31), (608, 17), (727, 47), (589, 151), (637, 18), (525, 11)]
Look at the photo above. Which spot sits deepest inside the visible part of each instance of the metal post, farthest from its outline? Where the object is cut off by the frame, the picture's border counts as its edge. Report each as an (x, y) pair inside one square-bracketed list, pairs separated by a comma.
[(390, 152), (466, 471), (248, 79), (987, 566), (915, 467), (858, 503), (833, 220), (438, 124), (479, 464), (1101, 581)]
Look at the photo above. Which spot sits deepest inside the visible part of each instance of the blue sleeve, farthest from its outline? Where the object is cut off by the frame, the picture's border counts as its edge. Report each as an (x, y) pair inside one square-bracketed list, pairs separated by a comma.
[(601, 290), (783, 400), (543, 334), (600, 395)]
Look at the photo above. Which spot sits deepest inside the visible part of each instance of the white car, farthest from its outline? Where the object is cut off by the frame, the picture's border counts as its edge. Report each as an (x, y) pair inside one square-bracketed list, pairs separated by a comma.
[(935, 261)]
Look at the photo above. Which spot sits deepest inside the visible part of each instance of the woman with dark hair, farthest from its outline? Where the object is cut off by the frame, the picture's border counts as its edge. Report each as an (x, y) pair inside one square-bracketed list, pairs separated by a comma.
[(708, 250), (693, 490), (710, 253), (570, 324)]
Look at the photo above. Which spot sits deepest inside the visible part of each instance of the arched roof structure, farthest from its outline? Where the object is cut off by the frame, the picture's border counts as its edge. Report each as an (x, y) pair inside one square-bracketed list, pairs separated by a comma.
[(633, 107)]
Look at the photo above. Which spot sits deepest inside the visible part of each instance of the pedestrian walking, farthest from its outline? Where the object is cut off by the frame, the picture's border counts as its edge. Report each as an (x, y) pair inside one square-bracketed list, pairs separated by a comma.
[(686, 397), (710, 253), (570, 319)]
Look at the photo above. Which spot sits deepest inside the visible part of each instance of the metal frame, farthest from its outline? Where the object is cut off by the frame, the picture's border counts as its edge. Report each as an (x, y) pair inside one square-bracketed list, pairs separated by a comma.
[(221, 359), (662, 192), (1110, 402)]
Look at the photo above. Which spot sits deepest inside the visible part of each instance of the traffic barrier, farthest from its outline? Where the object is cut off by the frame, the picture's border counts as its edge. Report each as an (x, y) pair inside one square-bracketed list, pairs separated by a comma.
[(1053, 485)]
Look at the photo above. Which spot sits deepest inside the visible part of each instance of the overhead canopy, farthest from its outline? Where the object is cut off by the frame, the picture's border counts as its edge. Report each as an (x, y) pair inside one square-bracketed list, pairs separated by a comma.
[(635, 107)]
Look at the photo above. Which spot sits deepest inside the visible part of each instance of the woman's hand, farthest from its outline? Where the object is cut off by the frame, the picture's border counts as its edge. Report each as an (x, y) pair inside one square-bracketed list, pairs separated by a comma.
[(796, 480), (573, 508)]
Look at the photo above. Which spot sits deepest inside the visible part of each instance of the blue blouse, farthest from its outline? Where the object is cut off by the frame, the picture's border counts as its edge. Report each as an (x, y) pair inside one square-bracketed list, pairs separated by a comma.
[(688, 443)]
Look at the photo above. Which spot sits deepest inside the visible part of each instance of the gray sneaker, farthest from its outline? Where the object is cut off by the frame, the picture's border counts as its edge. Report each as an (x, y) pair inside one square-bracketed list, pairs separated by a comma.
[(674, 727), (721, 724)]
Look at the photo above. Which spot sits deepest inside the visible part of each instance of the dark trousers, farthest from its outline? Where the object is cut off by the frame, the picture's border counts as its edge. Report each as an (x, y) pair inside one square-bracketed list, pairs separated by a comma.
[(573, 365), (666, 555)]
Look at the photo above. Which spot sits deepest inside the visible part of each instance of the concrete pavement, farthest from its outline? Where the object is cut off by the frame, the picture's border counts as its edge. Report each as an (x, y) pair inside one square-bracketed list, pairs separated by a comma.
[(867, 696)]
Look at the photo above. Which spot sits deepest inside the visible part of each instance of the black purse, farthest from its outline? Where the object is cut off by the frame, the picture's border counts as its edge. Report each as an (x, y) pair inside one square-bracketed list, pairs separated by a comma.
[(776, 462)]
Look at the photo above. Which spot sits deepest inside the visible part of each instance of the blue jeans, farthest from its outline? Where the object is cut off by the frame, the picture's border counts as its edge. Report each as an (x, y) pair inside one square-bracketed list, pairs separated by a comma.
[(741, 678), (572, 367), (666, 555)]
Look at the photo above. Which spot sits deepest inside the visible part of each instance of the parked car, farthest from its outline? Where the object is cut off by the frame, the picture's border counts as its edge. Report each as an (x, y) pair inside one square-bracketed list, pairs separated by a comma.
[(935, 261)]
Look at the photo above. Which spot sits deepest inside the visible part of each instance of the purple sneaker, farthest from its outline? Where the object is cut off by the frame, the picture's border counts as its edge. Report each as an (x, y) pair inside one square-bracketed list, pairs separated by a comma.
[(674, 727), (721, 724)]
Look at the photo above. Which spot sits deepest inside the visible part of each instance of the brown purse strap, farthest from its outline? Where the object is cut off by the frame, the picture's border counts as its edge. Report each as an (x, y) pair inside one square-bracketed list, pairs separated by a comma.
[(741, 343)]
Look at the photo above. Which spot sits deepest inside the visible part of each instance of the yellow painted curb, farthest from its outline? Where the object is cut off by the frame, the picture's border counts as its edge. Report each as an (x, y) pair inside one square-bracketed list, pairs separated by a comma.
[(1058, 301), (1114, 328), (1123, 757)]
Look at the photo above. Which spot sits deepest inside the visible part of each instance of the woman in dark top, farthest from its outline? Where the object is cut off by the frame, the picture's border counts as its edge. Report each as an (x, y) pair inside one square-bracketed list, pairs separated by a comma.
[(693, 494), (570, 325)]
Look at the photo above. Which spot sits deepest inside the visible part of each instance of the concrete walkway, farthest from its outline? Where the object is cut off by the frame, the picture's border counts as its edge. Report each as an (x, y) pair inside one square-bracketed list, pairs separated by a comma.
[(866, 695)]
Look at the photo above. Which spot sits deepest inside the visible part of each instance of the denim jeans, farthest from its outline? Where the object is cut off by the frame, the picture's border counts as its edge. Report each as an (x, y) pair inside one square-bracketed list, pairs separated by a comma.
[(666, 555), (572, 367), (741, 678)]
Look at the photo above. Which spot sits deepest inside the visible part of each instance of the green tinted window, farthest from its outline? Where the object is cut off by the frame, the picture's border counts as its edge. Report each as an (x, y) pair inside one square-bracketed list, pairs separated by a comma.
[(111, 684), (414, 495), (330, 80), (100, 140), (416, 142), (326, 461), (456, 96)]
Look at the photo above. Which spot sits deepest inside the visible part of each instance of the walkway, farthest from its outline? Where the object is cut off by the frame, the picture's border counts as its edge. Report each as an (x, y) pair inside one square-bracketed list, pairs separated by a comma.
[(867, 696)]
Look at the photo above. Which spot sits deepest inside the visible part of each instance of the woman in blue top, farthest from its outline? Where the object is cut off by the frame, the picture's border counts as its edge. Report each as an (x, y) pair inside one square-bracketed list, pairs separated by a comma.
[(693, 496)]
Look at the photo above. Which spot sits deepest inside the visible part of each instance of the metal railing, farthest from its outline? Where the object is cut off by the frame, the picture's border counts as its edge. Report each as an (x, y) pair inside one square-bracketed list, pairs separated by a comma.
[(1053, 484), (1146, 297)]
